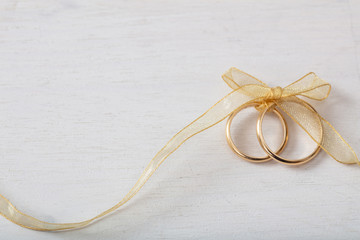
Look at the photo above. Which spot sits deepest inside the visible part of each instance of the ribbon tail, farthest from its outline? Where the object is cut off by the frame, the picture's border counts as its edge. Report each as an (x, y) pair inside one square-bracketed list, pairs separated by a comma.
[(320, 130), (214, 115)]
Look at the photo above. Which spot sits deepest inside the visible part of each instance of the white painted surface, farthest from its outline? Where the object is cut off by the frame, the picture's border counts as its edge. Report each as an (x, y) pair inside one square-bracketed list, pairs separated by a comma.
[(91, 90)]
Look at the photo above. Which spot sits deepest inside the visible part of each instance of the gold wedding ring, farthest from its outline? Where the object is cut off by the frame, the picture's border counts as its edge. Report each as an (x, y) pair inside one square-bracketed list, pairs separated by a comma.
[(270, 154), (245, 156), (275, 155)]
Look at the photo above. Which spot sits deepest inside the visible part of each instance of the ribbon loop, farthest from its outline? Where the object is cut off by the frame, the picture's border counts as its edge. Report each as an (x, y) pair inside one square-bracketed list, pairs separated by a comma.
[(310, 86)]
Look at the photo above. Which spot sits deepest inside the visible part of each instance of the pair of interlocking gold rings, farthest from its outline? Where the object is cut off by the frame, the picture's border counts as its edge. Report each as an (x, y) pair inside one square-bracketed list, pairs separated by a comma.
[(270, 154)]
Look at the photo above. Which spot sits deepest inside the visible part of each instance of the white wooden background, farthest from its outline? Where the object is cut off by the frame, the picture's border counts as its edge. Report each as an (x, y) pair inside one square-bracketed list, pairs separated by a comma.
[(91, 90)]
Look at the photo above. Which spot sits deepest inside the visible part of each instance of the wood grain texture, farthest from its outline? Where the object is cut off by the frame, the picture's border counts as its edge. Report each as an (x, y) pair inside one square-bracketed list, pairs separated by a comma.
[(91, 90)]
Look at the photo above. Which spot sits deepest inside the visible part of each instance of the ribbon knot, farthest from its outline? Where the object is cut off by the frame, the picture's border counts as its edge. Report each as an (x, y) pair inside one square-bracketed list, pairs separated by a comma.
[(274, 93)]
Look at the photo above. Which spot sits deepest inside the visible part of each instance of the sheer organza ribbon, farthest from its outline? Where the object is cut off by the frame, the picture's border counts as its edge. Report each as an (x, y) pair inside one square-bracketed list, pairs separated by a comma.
[(246, 90)]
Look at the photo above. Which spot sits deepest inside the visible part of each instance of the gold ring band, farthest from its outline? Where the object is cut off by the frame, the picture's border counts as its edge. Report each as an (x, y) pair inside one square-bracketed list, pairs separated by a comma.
[(275, 156), (245, 156)]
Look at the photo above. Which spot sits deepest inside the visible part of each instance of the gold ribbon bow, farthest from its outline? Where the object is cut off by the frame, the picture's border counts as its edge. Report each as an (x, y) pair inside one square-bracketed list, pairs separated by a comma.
[(246, 90)]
